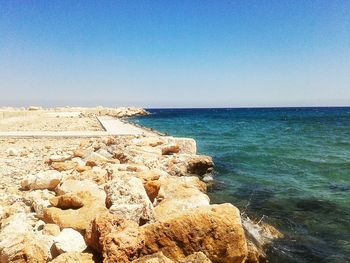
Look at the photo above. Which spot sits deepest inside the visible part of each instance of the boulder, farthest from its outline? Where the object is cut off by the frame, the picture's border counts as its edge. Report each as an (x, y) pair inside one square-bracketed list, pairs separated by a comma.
[(118, 240), (215, 230), (180, 194), (18, 243), (200, 165), (126, 197), (187, 145), (69, 240), (74, 257), (71, 217), (74, 186), (95, 158), (42, 180)]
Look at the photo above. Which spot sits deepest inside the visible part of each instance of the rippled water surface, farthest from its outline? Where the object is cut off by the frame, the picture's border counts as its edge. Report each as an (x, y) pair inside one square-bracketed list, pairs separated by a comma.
[(288, 165)]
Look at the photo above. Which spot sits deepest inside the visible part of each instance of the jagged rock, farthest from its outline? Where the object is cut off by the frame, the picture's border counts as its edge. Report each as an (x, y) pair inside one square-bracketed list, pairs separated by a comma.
[(23, 248), (152, 189), (74, 257), (69, 240), (51, 229), (170, 149), (39, 200), (215, 230), (155, 258), (63, 166), (149, 175), (118, 240), (126, 197), (74, 186), (180, 194), (187, 145), (42, 180), (200, 165), (78, 219), (18, 243)]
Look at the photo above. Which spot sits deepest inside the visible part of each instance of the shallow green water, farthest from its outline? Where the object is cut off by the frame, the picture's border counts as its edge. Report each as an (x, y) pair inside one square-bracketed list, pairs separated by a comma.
[(288, 165)]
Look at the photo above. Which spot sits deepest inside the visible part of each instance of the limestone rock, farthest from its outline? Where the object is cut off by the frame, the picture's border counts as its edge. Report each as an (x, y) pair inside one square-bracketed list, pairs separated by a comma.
[(197, 257), (95, 158), (59, 158), (23, 248), (126, 197), (154, 258), (152, 189), (63, 166), (187, 145), (215, 230), (74, 257), (69, 240), (180, 194), (74, 186), (118, 239), (82, 168), (18, 243), (170, 149), (200, 165), (78, 219), (51, 229), (43, 180)]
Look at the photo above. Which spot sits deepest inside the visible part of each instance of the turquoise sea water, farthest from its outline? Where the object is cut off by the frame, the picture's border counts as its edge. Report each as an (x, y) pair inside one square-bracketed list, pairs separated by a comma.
[(290, 166)]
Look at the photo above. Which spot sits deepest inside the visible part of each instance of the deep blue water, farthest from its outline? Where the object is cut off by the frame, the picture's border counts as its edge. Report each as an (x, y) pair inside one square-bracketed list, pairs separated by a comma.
[(288, 165)]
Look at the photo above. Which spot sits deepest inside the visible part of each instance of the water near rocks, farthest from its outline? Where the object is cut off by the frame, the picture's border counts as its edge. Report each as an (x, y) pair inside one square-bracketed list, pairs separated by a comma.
[(287, 166)]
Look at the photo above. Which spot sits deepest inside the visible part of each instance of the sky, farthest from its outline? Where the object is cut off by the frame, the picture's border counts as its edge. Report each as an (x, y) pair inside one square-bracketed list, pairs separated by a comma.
[(179, 53)]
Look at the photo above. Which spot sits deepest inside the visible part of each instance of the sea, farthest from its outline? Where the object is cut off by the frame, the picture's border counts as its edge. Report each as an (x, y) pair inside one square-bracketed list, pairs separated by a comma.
[(289, 167)]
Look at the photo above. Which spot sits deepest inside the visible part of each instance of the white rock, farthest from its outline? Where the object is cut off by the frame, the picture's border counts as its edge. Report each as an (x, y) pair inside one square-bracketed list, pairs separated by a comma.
[(42, 180), (69, 240), (127, 197)]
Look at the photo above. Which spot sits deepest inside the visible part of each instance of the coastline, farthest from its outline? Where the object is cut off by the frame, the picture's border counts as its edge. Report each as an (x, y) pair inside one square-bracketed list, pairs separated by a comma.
[(144, 192)]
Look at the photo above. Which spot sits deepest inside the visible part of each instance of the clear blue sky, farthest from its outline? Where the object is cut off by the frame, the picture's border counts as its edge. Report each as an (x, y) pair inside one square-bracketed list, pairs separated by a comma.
[(175, 53)]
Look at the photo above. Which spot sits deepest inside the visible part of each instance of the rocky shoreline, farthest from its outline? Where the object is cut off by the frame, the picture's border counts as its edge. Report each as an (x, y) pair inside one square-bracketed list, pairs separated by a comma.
[(115, 199)]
